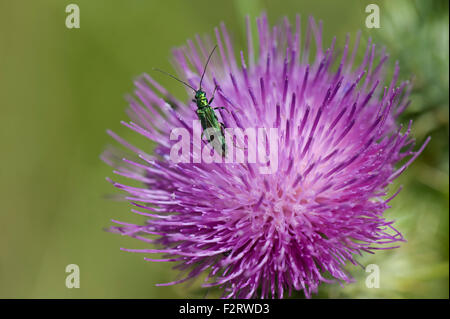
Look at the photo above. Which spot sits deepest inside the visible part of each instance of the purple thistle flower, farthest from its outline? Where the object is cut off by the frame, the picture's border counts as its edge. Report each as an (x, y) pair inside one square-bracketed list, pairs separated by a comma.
[(263, 234)]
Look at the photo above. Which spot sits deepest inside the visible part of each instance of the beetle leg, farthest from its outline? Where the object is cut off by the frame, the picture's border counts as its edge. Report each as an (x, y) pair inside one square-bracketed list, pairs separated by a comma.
[(212, 98)]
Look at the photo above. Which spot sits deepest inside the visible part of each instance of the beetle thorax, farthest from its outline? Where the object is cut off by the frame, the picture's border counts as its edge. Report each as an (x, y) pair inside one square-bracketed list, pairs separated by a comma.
[(200, 98)]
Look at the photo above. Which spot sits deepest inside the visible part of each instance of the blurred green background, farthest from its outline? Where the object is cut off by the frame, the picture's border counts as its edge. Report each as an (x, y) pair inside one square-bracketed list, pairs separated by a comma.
[(62, 88)]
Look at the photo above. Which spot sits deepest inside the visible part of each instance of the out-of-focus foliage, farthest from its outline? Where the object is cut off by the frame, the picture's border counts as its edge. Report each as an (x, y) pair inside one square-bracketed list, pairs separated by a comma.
[(61, 89)]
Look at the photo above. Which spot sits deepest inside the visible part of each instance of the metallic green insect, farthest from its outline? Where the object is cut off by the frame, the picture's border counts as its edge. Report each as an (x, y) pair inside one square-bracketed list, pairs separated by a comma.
[(206, 114)]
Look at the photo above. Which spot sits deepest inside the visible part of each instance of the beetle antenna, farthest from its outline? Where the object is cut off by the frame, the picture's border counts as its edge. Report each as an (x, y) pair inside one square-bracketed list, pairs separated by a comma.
[(207, 61), (173, 77)]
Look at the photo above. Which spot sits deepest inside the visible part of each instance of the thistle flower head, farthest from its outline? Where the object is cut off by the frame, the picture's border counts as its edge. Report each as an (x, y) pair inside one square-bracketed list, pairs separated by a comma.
[(257, 234)]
